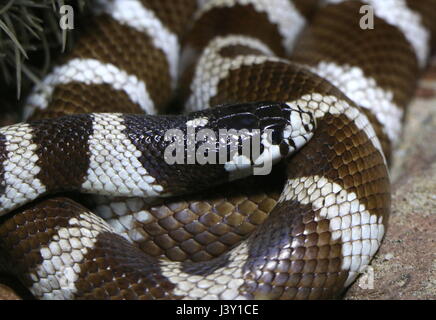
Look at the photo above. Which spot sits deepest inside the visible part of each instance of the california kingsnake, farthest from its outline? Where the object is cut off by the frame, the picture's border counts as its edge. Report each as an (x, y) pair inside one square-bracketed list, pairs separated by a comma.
[(240, 241)]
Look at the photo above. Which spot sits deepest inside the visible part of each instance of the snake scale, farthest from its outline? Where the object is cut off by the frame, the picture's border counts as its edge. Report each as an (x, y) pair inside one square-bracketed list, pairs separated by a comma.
[(330, 88)]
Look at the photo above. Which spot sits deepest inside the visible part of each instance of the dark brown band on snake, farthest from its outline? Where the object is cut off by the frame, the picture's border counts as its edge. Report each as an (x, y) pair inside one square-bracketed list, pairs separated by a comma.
[(176, 15), (226, 20), (77, 97), (395, 70), (131, 49), (306, 7), (199, 228), (74, 139)]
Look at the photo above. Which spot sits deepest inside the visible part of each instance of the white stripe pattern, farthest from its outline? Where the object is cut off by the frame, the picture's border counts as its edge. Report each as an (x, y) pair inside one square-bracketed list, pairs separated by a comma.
[(90, 71), (365, 92), (397, 13), (133, 14), (114, 166), (20, 181), (202, 3), (212, 67), (319, 105), (350, 222), (280, 12), (223, 283), (127, 216), (359, 231), (55, 278)]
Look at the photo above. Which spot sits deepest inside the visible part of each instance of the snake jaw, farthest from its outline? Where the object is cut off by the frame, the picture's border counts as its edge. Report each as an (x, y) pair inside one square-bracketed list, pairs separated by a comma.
[(300, 130)]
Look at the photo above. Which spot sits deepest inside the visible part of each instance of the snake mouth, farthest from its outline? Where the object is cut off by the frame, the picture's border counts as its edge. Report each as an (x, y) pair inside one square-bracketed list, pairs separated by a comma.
[(280, 140), (300, 129)]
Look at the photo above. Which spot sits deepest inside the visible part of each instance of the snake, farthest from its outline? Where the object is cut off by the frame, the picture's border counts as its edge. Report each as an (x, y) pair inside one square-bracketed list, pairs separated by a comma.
[(91, 208)]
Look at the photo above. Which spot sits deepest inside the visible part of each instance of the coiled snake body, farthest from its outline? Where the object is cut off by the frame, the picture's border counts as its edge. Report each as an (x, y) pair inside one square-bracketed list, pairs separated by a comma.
[(306, 68)]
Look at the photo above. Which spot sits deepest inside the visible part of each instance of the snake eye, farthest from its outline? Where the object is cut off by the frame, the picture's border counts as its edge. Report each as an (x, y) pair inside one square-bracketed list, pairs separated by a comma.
[(276, 134)]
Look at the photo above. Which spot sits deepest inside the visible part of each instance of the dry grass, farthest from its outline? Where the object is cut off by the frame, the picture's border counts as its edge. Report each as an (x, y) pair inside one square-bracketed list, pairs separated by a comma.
[(31, 28)]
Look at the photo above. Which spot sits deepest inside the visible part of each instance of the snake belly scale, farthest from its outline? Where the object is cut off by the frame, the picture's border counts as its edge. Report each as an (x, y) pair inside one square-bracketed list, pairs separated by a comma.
[(335, 94)]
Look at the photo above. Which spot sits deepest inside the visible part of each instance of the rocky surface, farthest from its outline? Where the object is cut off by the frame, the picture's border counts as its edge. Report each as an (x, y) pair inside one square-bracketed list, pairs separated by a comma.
[(405, 266)]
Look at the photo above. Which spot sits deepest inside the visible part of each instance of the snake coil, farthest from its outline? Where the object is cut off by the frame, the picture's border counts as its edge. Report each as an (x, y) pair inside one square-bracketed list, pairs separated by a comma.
[(333, 92)]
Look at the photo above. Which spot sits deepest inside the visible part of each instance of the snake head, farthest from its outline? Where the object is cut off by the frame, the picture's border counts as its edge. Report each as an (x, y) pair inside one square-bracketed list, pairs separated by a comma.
[(279, 129), (247, 138), (286, 128)]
